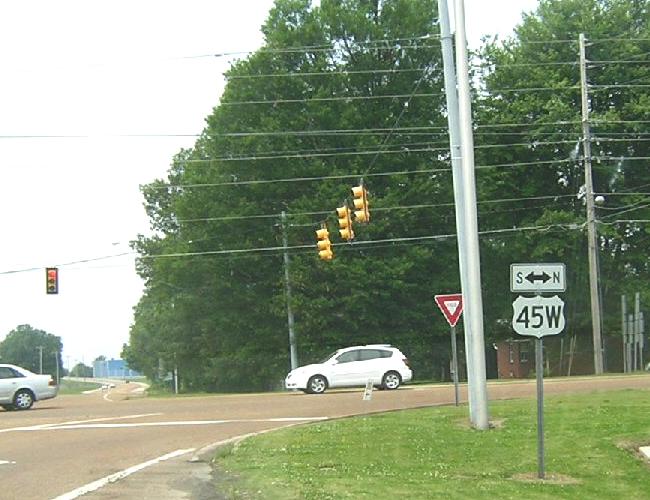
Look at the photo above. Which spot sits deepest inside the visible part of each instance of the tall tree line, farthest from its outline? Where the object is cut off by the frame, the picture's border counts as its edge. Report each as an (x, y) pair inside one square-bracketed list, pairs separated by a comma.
[(354, 89)]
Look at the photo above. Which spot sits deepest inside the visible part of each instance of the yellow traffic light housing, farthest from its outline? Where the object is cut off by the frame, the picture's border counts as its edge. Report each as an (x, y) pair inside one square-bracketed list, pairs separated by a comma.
[(345, 222), (324, 245), (362, 213)]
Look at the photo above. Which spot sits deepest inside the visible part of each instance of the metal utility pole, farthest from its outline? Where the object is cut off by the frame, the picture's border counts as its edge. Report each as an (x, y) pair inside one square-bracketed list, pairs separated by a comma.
[(592, 234), (40, 358), (56, 360), (287, 284), (457, 175), (624, 332), (638, 340), (472, 293)]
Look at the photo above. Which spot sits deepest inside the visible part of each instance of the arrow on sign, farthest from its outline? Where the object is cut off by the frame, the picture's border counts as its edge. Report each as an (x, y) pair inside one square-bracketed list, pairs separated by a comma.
[(532, 277), (451, 306)]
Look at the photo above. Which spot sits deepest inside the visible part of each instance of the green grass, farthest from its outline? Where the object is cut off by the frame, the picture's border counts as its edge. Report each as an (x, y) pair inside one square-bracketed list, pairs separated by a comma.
[(433, 453), (74, 387)]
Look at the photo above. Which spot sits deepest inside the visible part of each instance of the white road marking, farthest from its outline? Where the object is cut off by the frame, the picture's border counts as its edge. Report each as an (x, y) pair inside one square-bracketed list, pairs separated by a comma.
[(7, 462), (88, 425), (74, 422), (100, 483)]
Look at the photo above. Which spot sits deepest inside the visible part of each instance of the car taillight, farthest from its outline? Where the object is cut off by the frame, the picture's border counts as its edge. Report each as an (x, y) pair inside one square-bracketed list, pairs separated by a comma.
[(51, 382), (406, 362)]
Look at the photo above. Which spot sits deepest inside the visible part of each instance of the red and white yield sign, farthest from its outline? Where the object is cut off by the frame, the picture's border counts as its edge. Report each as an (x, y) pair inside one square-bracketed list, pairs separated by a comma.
[(451, 306)]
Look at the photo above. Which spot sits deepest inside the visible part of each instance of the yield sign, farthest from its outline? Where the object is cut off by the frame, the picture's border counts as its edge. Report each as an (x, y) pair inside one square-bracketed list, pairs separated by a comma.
[(451, 306)]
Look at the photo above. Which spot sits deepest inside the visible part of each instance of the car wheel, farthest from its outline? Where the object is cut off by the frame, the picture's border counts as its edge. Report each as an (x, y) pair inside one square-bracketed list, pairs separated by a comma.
[(23, 400), (316, 385), (391, 380)]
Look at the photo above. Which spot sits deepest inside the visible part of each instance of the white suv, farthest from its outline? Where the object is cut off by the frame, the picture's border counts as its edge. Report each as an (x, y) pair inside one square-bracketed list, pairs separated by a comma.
[(382, 364)]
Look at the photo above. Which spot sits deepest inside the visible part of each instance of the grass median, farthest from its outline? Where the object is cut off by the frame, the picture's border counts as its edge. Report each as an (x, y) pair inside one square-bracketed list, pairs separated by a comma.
[(591, 443), (76, 386)]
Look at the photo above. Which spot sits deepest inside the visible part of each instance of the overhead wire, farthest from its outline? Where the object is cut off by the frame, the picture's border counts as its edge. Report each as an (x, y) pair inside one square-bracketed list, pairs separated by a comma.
[(530, 145), (353, 176), (375, 209)]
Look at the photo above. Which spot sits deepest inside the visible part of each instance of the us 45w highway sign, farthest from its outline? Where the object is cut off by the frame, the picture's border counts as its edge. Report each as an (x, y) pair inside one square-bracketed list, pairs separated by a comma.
[(538, 316)]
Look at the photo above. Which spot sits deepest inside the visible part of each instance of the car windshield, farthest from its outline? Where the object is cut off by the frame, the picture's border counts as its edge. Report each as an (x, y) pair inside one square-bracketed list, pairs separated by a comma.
[(328, 357)]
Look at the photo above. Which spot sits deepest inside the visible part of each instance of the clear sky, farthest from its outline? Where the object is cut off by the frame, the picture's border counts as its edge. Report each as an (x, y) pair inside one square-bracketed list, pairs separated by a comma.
[(103, 70)]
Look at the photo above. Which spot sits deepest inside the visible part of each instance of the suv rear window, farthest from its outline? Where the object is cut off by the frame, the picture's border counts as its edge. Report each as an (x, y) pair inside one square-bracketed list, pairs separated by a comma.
[(349, 356), (367, 354)]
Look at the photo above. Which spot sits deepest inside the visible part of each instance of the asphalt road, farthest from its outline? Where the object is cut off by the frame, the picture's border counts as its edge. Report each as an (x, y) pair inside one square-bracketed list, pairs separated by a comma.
[(117, 444)]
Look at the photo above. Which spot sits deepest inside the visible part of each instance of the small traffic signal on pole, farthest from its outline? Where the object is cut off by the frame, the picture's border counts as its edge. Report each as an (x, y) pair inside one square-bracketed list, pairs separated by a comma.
[(51, 280), (345, 222), (324, 245), (362, 213)]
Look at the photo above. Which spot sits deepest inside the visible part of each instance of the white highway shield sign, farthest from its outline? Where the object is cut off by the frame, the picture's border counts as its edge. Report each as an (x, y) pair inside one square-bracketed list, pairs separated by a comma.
[(538, 316)]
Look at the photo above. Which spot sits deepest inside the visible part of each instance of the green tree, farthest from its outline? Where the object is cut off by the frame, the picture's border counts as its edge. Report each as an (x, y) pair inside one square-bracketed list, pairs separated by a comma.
[(222, 316), (81, 370), (352, 89), (530, 128), (23, 346)]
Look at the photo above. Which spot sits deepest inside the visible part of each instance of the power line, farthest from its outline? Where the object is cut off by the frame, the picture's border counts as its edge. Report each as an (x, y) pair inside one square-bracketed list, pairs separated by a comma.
[(390, 96), (87, 136), (304, 155), (83, 261), (600, 88), (325, 73), (354, 176), (235, 252), (330, 47), (359, 243), (328, 99), (618, 39), (620, 158), (639, 207), (310, 132), (619, 221), (377, 209), (338, 72), (524, 65)]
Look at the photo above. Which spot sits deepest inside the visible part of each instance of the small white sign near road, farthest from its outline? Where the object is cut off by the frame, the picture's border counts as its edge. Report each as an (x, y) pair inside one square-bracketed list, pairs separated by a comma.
[(538, 316), (538, 278)]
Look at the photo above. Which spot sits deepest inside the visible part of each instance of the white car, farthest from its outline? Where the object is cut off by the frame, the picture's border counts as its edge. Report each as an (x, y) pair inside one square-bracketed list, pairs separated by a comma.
[(382, 364), (19, 388)]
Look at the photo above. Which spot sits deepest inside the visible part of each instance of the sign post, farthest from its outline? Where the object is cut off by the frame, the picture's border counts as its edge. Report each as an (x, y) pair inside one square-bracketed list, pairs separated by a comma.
[(539, 375), (538, 317), (452, 307)]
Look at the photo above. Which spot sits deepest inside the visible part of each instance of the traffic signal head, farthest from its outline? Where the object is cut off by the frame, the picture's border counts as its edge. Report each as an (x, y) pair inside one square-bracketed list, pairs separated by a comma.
[(51, 280), (361, 213), (324, 245), (345, 222)]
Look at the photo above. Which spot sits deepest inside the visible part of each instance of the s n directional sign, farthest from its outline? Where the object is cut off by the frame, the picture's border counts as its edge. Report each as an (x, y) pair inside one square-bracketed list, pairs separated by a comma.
[(537, 278), (538, 316)]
